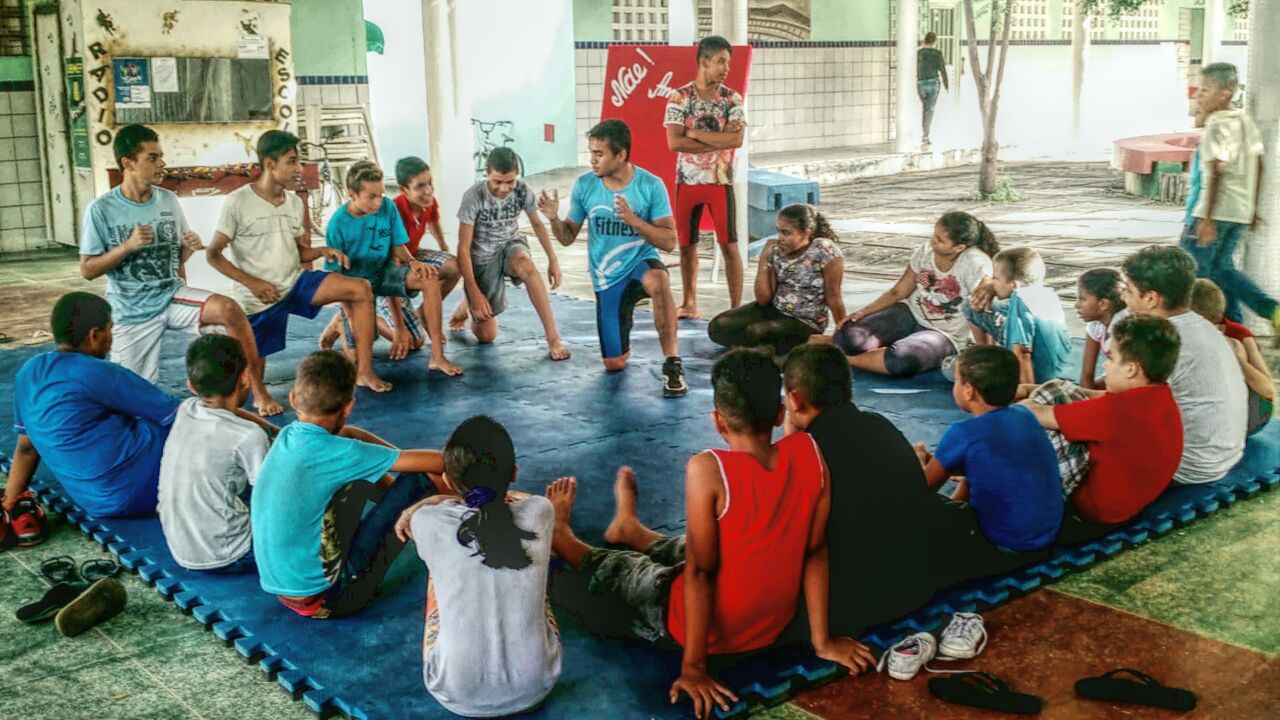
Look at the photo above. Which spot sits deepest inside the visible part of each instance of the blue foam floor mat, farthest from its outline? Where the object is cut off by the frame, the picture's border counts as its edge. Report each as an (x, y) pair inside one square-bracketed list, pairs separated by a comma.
[(566, 418)]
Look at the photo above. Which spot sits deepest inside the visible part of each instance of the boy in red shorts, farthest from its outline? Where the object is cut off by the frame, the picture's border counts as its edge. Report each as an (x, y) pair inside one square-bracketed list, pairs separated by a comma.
[(705, 123)]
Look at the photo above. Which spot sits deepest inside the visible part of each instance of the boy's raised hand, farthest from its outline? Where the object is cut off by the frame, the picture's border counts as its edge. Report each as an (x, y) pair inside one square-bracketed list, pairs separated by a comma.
[(848, 652), (703, 690), (549, 203)]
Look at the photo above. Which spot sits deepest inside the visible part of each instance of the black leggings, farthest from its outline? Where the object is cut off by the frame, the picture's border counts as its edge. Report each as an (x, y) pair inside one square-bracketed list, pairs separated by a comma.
[(754, 324), (910, 347), (367, 541)]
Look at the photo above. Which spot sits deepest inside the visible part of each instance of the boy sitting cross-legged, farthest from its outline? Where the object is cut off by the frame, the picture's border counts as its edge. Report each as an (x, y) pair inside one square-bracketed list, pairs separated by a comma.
[(1010, 475), (210, 461), (732, 583), (1028, 319), (313, 548), (1133, 431)]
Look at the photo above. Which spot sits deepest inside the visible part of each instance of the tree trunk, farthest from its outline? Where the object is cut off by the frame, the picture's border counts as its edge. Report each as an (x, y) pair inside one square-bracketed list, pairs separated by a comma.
[(990, 153)]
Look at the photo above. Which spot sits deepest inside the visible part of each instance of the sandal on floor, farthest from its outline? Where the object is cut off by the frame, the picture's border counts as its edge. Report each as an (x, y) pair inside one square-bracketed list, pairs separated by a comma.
[(56, 598), (983, 690), (1143, 691), (98, 568), (59, 569), (102, 601)]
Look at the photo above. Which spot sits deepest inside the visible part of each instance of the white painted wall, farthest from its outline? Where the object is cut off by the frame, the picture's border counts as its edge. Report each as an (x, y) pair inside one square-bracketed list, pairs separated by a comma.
[(1035, 103), (397, 95)]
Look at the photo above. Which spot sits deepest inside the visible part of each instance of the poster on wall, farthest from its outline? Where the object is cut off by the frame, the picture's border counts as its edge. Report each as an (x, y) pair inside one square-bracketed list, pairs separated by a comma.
[(252, 47), (73, 69), (164, 74), (637, 81), (132, 79)]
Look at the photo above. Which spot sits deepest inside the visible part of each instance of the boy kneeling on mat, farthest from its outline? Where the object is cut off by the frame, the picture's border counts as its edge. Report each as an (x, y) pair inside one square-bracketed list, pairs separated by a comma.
[(705, 590), (314, 550)]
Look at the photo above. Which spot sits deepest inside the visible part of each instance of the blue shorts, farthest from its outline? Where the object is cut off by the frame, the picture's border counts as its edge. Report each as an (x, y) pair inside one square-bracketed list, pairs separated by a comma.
[(616, 305), (271, 326)]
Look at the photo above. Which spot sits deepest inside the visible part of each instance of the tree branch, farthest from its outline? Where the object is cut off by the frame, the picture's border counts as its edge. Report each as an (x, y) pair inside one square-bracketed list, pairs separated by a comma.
[(979, 81), (1004, 53)]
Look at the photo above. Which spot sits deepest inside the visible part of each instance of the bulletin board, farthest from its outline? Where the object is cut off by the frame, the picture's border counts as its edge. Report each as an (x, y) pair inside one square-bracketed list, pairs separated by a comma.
[(151, 90)]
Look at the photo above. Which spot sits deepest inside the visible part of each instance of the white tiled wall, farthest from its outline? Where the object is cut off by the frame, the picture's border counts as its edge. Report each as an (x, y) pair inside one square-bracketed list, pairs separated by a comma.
[(21, 189), (798, 98)]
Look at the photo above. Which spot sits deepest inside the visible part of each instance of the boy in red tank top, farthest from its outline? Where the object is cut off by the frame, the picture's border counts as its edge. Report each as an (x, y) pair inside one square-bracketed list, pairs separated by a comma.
[(757, 506)]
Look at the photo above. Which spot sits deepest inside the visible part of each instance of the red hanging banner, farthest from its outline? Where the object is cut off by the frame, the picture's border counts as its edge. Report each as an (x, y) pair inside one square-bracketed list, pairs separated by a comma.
[(637, 81)]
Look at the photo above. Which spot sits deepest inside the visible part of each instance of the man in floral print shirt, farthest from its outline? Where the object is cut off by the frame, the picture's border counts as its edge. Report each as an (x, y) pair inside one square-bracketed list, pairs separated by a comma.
[(705, 123)]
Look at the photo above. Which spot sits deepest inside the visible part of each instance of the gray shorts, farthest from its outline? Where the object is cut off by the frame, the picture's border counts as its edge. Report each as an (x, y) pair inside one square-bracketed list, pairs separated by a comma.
[(490, 274), (392, 281)]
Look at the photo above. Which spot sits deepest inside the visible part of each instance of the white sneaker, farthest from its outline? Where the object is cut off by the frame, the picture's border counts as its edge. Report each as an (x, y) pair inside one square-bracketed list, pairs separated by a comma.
[(963, 638), (905, 659)]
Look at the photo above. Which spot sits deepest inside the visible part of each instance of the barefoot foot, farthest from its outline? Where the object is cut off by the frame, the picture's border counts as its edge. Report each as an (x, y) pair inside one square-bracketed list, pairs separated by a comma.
[(626, 528), (443, 365), (458, 320), (688, 312), (372, 381), (264, 404), (557, 350), (561, 492)]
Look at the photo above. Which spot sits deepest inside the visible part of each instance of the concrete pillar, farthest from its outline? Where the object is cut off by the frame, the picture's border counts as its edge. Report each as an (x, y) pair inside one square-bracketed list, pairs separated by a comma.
[(1079, 59), (1262, 100), (1214, 18), (447, 116), (729, 20), (908, 102), (682, 22)]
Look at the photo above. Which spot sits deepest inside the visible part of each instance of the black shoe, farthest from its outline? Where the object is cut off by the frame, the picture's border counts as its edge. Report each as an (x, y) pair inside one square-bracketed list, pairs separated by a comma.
[(102, 601), (56, 598), (673, 378)]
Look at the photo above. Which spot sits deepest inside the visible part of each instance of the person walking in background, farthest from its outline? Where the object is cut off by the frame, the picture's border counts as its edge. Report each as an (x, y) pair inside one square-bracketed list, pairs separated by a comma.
[(931, 77)]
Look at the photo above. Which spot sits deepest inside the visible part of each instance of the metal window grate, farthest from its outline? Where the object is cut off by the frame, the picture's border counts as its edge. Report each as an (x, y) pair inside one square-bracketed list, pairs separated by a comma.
[(13, 28)]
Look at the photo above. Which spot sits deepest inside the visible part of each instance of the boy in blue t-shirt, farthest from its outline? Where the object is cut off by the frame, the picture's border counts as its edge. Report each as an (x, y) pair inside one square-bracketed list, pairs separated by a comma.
[(630, 220), (100, 427), (1029, 320), (314, 550), (1009, 469), (368, 230)]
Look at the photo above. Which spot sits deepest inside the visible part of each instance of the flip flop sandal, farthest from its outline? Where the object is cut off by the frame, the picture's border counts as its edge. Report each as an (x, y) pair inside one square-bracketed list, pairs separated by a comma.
[(5, 338), (59, 569), (56, 598), (983, 690), (99, 568), (102, 601), (1144, 691)]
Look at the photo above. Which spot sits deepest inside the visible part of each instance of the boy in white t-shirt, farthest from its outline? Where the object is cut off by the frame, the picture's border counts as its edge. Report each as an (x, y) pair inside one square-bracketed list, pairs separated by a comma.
[(261, 223), (1207, 382), (210, 460)]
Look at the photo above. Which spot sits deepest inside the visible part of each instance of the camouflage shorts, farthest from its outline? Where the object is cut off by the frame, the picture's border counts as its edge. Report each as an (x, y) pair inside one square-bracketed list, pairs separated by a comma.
[(641, 580), (1073, 458)]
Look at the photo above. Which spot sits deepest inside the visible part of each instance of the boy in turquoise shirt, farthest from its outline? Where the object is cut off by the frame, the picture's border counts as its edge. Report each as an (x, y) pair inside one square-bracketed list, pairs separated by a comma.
[(368, 230), (1027, 318), (314, 550)]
